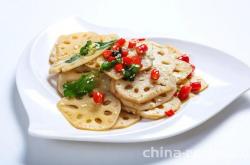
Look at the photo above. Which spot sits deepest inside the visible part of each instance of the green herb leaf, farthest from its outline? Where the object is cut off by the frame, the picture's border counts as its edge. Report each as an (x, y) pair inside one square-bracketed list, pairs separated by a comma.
[(85, 49), (73, 58), (82, 86), (130, 72), (108, 65), (103, 45)]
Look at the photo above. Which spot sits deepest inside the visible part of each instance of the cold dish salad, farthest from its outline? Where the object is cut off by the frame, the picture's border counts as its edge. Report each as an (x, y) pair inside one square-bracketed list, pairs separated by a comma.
[(107, 82)]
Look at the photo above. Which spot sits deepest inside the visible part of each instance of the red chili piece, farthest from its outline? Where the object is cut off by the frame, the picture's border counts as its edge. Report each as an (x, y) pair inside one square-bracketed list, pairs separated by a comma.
[(196, 87), (106, 53), (184, 57), (155, 74), (141, 49), (120, 42), (136, 60), (169, 113), (124, 52), (98, 97), (184, 92), (126, 60), (111, 58), (118, 67), (131, 44)]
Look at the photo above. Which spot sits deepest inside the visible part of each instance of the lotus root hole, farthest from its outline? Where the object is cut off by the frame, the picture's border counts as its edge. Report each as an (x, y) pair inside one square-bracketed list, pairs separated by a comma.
[(136, 90), (160, 107), (79, 116), (163, 95), (91, 63), (88, 120), (153, 100), (161, 52), (75, 37), (98, 120), (154, 82), (125, 117), (106, 102), (97, 65), (128, 86), (66, 42), (165, 62), (146, 89), (107, 113), (72, 106)]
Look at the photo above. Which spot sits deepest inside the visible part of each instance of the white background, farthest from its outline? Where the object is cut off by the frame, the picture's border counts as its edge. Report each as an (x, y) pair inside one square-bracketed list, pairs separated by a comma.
[(224, 139)]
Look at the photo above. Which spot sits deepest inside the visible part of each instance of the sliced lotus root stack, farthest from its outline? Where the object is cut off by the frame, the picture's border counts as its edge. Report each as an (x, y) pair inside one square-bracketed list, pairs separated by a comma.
[(182, 70), (135, 107), (126, 119), (143, 89), (86, 114), (62, 66), (163, 59), (132, 107), (129, 109), (167, 60), (67, 45), (159, 111)]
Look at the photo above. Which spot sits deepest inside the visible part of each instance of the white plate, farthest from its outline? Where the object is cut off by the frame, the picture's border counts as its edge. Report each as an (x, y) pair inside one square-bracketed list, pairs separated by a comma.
[(227, 78)]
